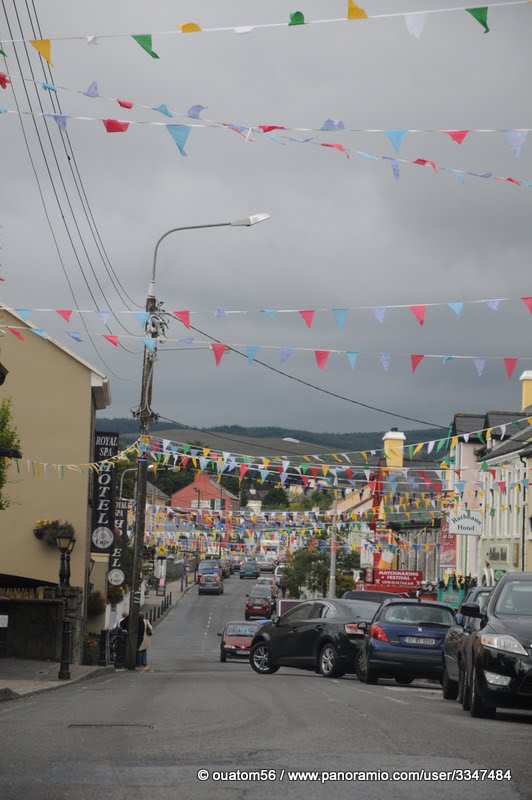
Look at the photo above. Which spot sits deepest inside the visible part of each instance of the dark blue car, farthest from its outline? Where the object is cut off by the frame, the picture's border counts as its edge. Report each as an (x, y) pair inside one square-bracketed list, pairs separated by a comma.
[(404, 641)]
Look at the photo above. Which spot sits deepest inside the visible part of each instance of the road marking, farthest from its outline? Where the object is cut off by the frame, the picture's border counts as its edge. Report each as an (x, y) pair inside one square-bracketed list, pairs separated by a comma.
[(395, 700)]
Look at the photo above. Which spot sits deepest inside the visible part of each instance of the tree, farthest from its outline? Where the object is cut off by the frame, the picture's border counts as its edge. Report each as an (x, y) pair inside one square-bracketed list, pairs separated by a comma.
[(310, 571), (275, 498), (9, 441)]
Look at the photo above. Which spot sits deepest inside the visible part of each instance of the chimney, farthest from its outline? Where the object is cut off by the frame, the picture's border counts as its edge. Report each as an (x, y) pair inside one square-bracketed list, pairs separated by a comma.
[(393, 447), (526, 389)]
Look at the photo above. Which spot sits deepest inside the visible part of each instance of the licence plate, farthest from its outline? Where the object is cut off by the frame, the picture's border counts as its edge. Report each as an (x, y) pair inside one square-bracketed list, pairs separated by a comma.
[(243, 652), (420, 640), (258, 607)]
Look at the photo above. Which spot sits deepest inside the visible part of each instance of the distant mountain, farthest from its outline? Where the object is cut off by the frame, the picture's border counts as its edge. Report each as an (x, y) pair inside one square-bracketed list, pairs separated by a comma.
[(227, 436)]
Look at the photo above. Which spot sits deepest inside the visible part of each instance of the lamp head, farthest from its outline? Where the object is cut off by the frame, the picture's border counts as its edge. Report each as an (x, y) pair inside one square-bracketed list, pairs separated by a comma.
[(65, 542), (251, 220)]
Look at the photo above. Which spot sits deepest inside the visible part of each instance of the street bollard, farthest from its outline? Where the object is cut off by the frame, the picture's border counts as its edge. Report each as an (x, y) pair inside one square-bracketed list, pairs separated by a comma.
[(182, 580), (170, 598), (103, 651)]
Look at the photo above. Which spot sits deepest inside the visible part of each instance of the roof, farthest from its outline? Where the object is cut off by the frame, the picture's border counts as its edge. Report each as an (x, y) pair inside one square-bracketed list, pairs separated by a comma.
[(467, 423), (497, 418), (99, 381), (223, 490), (152, 489), (513, 444)]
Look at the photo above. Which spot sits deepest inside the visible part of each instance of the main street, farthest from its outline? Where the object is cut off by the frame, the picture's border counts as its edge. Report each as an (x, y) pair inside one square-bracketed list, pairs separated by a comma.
[(146, 734)]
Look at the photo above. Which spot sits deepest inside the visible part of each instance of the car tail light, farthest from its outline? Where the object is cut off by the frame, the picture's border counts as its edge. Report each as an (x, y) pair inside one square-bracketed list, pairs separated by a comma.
[(376, 632), (352, 629)]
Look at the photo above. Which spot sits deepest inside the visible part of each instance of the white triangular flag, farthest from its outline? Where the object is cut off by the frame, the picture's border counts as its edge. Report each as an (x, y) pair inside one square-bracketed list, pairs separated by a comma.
[(92, 40), (415, 24)]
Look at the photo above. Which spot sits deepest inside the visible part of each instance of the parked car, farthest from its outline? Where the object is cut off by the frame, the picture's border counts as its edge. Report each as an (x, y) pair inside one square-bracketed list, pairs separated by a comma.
[(210, 583), (268, 580), (265, 564), (318, 635), (226, 569), (248, 569), (496, 668), (236, 640), (404, 641), (453, 645), (370, 595), (260, 602)]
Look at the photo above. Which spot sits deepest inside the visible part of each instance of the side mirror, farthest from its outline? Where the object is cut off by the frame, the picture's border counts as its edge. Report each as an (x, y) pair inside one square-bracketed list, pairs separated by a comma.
[(219, 634), (471, 610), (275, 619), (362, 626)]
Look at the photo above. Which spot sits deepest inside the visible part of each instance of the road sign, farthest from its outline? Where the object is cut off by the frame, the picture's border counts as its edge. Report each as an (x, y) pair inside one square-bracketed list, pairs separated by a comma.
[(161, 550)]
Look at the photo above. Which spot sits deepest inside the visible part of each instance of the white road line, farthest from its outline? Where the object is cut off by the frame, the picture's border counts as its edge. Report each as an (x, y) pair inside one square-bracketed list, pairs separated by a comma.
[(395, 700)]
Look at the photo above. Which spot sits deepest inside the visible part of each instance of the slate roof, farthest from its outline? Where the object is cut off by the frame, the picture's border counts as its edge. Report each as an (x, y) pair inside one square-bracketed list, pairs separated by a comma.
[(466, 423)]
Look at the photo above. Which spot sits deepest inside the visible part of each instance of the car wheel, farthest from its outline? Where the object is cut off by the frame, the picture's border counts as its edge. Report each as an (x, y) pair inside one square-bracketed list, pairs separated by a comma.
[(465, 691), (328, 661), (477, 705), (359, 667), (404, 680), (449, 687), (260, 659), (223, 657)]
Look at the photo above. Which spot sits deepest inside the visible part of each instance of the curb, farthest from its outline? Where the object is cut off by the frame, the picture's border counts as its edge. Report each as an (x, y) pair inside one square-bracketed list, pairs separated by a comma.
[(11, 694), (178, 600)]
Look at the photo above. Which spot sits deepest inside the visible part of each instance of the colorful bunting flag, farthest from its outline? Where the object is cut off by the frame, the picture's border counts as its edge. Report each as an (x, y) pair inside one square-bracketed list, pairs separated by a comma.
[(44, 48), (65, 313), (457, 136), (415, 24), (340, 315), (15, 332), (419, 313), (286, 352), (333, 125), (179, 134), (92, 91), (352, 358), (189, 27), (510, 364), (163, 109), (115, 125), (251, 352), (354, 11), (480, 363), (416, 359), (308, 316), (195, 111), (183, 316), (145, 41), (112, 339), (218, 350), (386, 360), (516, 140), (296, 18), (143, 317), (481, 16), (456, 307), (74, 335), (321, 357), (528, 303), (396, 138), (379, 313), (124, 103)]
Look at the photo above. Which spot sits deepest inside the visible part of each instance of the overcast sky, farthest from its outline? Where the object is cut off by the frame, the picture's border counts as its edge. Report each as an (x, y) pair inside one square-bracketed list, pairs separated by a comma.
[(342, 232)]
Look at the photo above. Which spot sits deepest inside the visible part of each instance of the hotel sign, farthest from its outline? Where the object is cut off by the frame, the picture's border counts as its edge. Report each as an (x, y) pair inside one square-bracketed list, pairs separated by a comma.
[(465, 522), (103, 495)]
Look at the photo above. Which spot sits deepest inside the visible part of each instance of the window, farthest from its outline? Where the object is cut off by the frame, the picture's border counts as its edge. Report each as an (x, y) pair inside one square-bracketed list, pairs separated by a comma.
[(417, 614), (515, 599), (298, 614), (318, 611)]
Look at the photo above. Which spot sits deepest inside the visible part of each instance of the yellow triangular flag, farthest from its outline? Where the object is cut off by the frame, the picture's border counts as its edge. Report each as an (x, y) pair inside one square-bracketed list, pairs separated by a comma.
[(189, 27), (418, 447), (354, 12), (44, 48)]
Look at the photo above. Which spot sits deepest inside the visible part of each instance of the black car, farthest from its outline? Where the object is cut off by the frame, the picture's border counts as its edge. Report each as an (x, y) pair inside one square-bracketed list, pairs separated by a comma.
[(370, 595), (404, 641), (318, 635), (496, 670), (454, 643)]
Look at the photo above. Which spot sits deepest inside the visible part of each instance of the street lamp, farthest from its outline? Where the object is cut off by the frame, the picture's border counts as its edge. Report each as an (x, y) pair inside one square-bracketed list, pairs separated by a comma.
[(65, 544), (155, 326)]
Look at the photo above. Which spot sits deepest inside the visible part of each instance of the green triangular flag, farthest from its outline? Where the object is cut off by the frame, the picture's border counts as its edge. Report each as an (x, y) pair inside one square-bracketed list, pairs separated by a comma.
[(144, 39), (3, 54), (296, 18), (304, 468), (481, 437), (186, 448), (481, 15), (484, 466), (440, 444), (410, 451)]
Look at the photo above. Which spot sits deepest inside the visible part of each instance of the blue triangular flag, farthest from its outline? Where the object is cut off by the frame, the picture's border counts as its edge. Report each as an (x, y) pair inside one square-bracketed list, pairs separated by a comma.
[(3, 110), (150, 343), (252, 351), (366, 155), (395, 167), (163, 109), (74, 335), (286, 352), (143, 317), (340, 315), (516, 140), (396, 138), (270, 312), (195, 111), (459, 174), (480, 363), (179, 134), (23, 313), (39, 332), (493, 304), (61, 120), (385, 359), (104, 316), (49, 87), (456, 307), (333, 125), (92, 91), (220, 312), (447, 358), (352, 358), (379, 313)]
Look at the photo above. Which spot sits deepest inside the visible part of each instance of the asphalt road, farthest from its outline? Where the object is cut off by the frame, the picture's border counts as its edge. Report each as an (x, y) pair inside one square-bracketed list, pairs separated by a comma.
[(146, 734)]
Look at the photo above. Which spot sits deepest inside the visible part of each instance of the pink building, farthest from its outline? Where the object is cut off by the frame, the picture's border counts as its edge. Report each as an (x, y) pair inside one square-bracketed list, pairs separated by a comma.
[(205, 493)]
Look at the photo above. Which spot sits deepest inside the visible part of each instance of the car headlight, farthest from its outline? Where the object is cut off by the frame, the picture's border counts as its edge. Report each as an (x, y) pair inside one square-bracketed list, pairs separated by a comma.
[(503, 642), (495, 679), (229, 647)]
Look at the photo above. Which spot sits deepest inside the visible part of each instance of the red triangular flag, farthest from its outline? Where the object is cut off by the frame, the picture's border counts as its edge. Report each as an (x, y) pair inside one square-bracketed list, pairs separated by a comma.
[(65, 313), (321, 357), (501, 485), (115, 125), (416, 359), (528, 303), (4, 80), (314, 471), (112, 339), (15, 332), (510, 364), (124, 103), (457, 136), (184, 317), (308, 316), (243, 469), (423, 163), (339, 147), (268, 128), (419, 313), (349, 473), (305, 480), (184, 461), (218, 350)]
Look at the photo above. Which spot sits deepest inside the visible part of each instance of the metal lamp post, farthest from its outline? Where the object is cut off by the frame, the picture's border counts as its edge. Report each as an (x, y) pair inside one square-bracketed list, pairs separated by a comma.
[(155, 326), (65, 544)]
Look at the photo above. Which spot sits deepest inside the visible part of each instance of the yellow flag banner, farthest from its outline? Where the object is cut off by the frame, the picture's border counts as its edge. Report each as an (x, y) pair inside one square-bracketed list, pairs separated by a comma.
[(44, 48), (355, 12)]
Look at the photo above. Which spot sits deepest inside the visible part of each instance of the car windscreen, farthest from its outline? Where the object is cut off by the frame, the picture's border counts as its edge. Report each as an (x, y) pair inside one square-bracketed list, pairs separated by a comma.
[(240, 630), (515, 599), (357, 609), (417, 614), (208, 566), (260, 591)]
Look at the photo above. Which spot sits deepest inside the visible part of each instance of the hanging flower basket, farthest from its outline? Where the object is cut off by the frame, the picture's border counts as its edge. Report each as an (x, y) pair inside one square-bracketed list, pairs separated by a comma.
[(47, 530), (95, 604)]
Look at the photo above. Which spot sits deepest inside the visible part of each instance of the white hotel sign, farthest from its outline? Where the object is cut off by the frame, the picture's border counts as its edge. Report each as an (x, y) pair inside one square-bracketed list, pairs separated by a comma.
[(466, 523)]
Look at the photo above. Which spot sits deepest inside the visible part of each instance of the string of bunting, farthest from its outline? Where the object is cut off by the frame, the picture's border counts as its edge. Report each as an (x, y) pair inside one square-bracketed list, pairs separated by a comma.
[(415, 25), (340, 315)]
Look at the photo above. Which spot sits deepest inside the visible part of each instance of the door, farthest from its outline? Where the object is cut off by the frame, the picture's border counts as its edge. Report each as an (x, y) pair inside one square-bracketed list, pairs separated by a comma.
[(308, 634), (284, 635)]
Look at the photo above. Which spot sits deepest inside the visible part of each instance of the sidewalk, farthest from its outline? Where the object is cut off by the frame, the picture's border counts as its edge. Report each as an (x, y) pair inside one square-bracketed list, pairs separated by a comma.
[(21, 677)]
